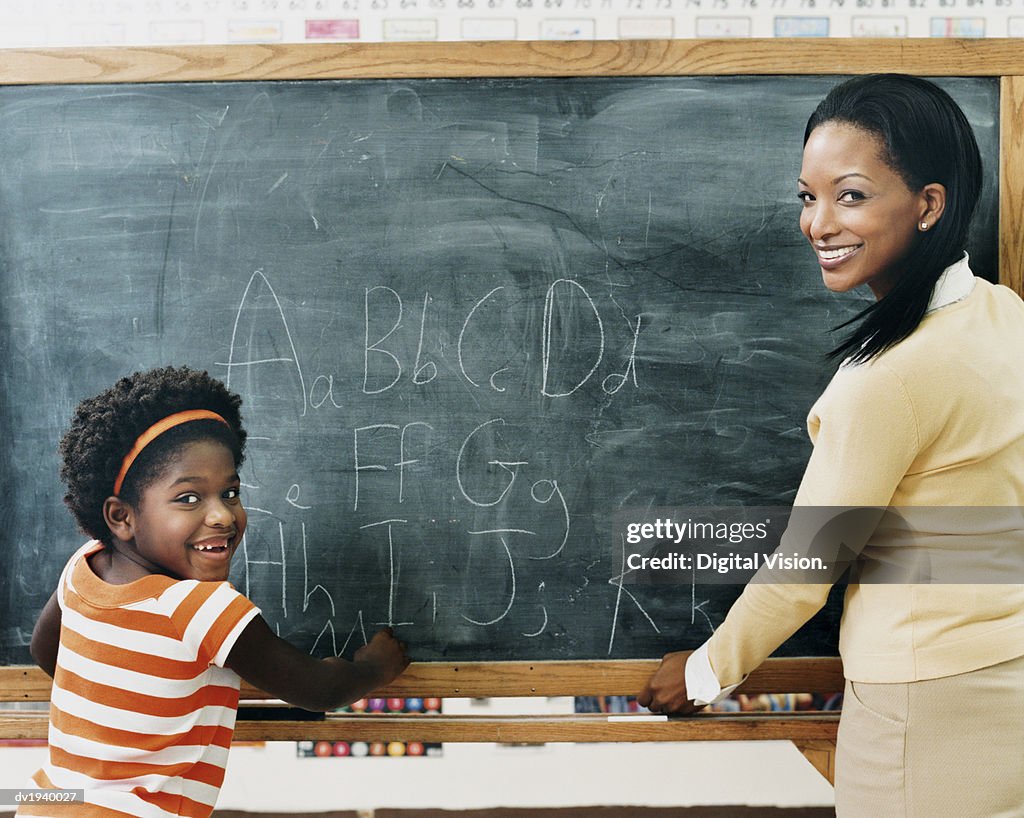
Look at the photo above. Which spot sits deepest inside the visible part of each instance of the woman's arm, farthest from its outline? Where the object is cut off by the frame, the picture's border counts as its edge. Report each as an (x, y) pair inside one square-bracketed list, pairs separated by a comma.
[(866, 435), (277, 667), (46, 636)]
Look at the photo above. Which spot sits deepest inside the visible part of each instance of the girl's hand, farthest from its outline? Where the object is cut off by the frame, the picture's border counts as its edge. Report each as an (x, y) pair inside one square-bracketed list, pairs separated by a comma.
[(385, 655), (275, 666)]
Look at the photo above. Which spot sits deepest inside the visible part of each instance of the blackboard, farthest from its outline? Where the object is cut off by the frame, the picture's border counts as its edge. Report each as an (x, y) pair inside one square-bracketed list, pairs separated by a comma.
[(490, 311)]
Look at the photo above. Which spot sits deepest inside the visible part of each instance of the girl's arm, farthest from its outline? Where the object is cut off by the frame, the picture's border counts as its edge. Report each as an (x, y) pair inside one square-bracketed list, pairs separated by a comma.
[(277, 667), (46, 636)]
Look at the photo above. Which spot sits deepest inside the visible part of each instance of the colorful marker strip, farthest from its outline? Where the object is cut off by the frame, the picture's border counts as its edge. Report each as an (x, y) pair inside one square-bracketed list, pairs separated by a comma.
[(368, 749), (377, 749)]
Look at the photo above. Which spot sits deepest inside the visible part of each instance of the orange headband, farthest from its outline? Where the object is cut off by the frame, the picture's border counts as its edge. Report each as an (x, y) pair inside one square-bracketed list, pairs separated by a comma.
[(157, 429)]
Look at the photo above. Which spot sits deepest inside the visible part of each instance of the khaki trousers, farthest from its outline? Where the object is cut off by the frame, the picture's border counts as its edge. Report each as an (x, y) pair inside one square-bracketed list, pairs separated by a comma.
[(940, 748)]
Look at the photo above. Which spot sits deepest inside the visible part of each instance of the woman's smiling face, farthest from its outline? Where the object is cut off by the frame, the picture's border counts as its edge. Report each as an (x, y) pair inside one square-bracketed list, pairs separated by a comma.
[(858, 214)]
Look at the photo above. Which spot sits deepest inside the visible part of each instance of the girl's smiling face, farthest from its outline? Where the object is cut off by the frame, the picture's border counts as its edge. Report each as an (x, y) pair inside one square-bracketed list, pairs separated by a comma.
[(858, 214), (190, 518)]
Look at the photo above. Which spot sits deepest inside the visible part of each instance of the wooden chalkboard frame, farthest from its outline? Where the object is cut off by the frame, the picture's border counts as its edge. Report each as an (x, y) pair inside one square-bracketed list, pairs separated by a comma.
[(1002, 58)]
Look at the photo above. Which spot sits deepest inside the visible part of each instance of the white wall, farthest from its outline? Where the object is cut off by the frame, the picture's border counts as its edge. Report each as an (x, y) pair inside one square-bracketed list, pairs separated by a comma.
[(28, 23)]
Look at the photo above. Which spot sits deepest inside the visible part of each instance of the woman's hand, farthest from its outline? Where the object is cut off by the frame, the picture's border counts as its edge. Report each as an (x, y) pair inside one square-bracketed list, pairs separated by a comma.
[(665, 691)]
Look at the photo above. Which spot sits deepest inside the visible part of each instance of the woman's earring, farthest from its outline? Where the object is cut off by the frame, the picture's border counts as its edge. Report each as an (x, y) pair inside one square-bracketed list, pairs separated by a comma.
[(924, 225)]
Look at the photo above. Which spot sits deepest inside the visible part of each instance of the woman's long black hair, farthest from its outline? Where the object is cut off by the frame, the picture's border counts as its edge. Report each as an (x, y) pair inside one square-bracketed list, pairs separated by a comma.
[(925, 139)]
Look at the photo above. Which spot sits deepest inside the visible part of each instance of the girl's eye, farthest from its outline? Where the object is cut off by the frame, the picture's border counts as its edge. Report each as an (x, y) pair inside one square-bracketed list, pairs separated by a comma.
[(232, 494), (191, 498)]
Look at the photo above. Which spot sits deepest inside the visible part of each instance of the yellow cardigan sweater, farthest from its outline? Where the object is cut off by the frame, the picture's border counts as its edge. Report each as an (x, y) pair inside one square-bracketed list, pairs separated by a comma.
[(937, 420)]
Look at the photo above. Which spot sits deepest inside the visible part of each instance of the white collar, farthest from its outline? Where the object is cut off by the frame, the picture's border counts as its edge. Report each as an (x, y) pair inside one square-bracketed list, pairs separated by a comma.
[(955, 284)]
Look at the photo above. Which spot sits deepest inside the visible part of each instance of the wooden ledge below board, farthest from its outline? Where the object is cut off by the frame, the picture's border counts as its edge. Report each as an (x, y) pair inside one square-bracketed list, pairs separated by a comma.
[(587, 727), (486, 679), (813, 733)]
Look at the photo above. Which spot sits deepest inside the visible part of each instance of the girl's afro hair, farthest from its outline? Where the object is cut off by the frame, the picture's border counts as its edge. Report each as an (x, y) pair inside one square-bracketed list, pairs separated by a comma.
[(105, 428)]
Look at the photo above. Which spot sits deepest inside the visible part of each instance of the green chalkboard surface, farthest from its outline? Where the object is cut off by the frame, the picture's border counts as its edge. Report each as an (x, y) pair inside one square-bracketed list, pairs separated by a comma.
[(470, 321)]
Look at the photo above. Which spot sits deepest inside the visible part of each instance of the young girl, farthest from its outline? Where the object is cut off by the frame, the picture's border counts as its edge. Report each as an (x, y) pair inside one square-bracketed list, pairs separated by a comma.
[(925, 414), (144, 637)]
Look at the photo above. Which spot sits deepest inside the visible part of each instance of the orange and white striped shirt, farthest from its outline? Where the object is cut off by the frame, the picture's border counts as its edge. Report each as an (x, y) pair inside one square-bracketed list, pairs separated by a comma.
[(142, 709)]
